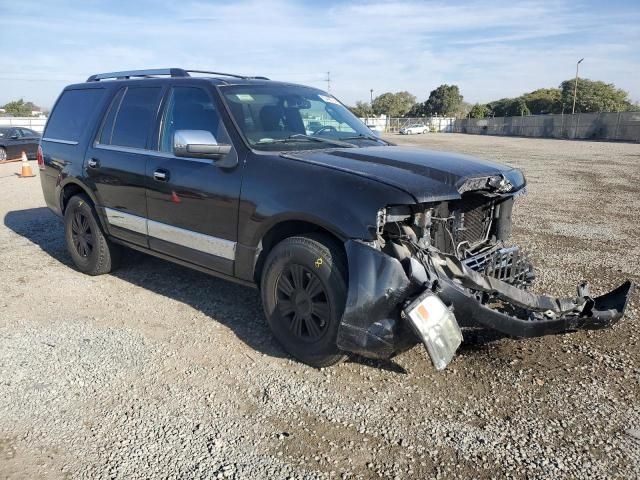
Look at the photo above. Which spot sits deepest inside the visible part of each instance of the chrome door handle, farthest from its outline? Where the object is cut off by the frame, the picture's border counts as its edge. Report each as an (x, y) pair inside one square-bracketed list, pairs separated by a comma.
[(93, 163), (161, 175)]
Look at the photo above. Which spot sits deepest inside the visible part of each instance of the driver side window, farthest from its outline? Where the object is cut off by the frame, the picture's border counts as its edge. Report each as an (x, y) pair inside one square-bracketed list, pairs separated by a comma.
[(190, 108)]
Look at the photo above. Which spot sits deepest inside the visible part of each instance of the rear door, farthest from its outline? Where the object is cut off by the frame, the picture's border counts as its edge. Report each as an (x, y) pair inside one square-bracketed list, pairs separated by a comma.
[(192, 203), (116, 162)]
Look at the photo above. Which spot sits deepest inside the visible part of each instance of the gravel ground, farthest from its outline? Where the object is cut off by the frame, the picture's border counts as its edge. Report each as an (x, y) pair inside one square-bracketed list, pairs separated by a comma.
[(160, 371)]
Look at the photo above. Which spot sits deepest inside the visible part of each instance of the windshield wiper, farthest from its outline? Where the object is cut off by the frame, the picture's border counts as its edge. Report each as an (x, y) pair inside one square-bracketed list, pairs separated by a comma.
[(363, 137), (321, 139), (300, 136)]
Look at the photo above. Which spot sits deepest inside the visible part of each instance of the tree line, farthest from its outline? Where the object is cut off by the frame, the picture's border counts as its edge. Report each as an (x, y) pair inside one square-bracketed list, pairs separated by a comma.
[(446, 100), (19, 108)]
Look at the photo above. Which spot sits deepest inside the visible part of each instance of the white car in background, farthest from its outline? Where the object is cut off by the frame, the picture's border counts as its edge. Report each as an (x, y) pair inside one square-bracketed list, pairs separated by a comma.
[(414, 128)]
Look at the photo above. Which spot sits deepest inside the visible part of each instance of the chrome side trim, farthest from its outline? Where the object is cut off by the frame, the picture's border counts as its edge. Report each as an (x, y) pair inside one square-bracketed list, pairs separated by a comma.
[(117, 148), (127, 221), (219, 247), (152, 153), (57, 140)]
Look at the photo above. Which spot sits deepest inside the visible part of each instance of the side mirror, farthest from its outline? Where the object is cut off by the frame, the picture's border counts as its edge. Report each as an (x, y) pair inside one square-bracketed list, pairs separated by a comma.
[(198, 144), (14, 136)]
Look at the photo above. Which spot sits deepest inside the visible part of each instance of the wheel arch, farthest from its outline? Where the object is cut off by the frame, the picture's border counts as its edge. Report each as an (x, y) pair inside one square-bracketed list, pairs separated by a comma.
[(71, 188), (285, 229)]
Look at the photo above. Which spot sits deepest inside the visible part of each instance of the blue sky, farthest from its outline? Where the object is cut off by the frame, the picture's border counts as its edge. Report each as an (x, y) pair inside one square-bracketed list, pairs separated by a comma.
[(490, 49)]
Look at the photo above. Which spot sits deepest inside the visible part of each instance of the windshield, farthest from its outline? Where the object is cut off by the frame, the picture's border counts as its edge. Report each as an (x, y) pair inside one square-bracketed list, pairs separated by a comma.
[(288, 117)]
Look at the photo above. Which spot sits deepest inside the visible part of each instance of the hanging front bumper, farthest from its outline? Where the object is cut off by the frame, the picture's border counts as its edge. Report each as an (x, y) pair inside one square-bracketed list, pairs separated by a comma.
[(380, 288)]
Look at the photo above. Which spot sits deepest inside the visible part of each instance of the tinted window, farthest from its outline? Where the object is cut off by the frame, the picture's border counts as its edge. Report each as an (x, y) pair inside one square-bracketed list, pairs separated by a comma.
[(28, 133), (190, 108), (135, 117), (107, 125), (72, 114)]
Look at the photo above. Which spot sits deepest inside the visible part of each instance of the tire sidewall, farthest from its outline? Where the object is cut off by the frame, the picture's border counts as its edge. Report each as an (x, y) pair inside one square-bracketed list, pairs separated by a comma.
[(333, 282), (90, 263)]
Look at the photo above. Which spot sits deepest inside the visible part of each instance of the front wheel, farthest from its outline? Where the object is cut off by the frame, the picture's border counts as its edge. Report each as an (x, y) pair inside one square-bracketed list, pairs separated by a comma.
[(304, 291), (90, 250), (3, 154)]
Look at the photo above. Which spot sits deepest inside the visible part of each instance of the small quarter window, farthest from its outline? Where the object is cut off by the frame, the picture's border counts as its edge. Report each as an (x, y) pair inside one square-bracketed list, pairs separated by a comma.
[(73, 113)]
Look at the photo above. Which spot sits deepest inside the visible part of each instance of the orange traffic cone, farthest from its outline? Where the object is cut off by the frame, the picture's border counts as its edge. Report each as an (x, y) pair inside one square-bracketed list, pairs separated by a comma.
[(26, 168)]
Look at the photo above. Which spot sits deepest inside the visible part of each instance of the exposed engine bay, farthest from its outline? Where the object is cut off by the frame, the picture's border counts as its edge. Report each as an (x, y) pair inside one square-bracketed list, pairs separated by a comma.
[(456, 251)]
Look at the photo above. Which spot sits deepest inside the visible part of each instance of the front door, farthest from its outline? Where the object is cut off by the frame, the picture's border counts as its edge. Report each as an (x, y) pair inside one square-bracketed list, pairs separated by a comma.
[(192, 203), (116, 162)]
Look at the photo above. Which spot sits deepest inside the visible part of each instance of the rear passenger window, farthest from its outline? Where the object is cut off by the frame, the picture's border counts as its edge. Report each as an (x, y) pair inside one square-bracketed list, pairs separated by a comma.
[(129, 121), (72, 114)]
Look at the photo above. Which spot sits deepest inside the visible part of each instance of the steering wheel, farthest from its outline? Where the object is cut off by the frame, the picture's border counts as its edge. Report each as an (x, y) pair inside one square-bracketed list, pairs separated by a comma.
[(326, 128)]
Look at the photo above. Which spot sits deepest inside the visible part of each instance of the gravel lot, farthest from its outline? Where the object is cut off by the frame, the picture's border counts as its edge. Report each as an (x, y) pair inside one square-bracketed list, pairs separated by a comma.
[(160, 371)]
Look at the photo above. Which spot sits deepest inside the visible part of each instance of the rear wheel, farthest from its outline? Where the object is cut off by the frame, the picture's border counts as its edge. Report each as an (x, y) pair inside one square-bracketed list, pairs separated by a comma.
[(304, 290), (90, 250)]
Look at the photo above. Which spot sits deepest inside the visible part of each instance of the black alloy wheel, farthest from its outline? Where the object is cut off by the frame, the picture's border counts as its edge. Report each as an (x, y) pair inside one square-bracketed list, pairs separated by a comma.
[(81, 234), (304, 290), (302, 300)]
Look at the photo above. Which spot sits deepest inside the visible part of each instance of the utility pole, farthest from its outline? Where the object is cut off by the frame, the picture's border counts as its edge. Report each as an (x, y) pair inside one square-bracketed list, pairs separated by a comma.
[(575, 88), (328, 82), (371, 96)]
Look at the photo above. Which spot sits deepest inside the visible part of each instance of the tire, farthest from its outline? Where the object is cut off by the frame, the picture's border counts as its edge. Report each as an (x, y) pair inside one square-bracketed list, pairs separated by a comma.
[(304, 291), (90, 250), (3, 154)]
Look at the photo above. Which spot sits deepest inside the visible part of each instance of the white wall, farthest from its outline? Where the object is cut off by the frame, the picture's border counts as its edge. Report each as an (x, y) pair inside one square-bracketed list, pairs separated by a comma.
[(33, 123)]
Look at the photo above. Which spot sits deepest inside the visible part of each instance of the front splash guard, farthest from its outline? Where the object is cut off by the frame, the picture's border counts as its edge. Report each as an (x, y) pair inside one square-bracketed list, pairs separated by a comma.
[(379, 288)]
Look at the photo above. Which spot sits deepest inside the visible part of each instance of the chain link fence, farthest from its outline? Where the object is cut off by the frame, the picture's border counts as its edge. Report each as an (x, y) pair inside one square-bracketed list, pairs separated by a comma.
[(394, 124)]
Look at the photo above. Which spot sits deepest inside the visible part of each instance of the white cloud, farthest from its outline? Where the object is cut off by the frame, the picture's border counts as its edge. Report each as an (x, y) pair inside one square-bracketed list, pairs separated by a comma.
[(490, 49)]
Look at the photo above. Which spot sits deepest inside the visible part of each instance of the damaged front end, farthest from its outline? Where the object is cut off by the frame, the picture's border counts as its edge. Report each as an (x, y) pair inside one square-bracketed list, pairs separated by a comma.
[(436, 266)]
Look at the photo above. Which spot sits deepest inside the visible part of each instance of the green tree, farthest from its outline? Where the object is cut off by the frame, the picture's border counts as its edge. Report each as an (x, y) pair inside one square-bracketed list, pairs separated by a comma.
[(479, 111), (444, 100), (595, 96), (500, 108), (393, 104), (19, 108), (362, 110), (519, 107), (544, 100)]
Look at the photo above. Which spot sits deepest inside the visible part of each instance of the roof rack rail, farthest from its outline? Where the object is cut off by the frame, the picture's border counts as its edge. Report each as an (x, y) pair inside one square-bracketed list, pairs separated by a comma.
[(173, 72), (244, 77)]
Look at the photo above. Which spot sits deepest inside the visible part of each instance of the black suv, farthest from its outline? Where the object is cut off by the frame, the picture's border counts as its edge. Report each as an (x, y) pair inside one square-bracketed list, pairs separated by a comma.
[(357, 245)]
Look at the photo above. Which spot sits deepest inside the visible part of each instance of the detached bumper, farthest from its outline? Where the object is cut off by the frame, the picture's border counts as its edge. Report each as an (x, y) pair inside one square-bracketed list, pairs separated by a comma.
[(379, 288)]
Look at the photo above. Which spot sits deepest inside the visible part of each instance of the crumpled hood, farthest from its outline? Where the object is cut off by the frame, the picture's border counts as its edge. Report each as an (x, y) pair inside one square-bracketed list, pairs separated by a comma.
[(427, 175)]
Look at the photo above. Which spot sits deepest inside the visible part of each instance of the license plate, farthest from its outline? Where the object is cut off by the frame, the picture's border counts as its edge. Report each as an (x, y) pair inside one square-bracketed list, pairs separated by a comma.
[(436, 326)]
